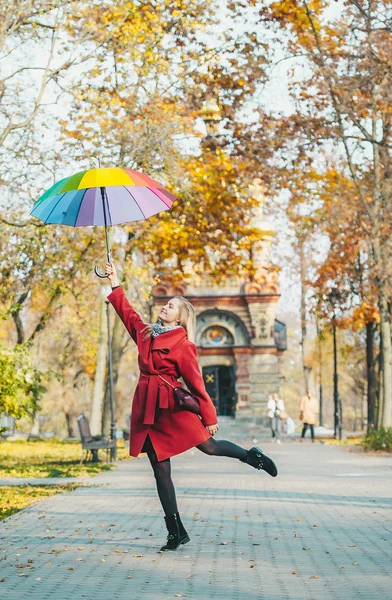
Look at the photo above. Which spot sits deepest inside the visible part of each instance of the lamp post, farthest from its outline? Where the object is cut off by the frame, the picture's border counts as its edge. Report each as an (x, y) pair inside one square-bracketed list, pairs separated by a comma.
[(333, 297), (321, 420), (111, 386)]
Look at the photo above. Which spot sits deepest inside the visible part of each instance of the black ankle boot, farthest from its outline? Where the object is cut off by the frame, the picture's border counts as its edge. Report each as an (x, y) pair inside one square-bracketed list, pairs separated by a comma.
[(173, 538), (184, 537), (255, 458)]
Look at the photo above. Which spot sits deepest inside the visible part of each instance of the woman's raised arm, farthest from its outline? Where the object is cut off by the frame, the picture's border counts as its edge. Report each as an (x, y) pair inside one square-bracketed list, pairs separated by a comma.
[(131, 319)]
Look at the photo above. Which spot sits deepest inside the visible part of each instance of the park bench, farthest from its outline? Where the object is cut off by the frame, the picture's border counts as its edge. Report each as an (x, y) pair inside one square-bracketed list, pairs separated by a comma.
[(91, 444)]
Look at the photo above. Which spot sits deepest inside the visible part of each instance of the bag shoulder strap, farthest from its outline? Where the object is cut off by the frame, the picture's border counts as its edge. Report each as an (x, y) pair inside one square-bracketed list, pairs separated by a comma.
[(168, 383)]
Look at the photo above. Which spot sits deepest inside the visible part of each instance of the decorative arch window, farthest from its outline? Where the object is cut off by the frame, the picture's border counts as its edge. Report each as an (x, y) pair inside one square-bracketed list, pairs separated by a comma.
[(216, 336), (217, 328)]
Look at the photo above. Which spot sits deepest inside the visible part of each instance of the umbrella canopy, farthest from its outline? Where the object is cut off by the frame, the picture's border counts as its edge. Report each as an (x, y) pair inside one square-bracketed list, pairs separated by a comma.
[(102, 197)]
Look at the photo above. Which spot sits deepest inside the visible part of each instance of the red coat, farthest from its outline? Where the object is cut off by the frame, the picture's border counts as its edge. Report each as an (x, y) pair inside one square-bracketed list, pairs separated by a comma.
[(172, 355)]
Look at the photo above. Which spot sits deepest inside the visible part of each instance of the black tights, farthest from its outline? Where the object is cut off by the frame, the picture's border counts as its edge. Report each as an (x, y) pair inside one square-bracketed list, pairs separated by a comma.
[(304, 429), (162, 474), (162, 469)]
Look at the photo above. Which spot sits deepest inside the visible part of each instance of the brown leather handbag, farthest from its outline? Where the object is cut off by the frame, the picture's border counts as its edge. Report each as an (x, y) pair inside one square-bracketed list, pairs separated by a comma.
[(184, 400)]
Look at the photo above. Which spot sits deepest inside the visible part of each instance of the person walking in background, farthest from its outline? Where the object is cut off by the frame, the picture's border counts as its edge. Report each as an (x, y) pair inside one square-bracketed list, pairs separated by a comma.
[(166, 352), (308, 414), (276, 409)]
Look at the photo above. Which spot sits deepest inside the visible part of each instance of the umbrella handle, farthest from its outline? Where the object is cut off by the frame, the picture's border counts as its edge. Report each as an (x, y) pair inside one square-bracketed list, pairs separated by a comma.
[(102, 275)]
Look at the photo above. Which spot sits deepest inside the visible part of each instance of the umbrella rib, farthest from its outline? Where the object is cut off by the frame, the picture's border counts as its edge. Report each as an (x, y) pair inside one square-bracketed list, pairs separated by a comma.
[(80, 205), (107, 204), (55, 206), (138, 205)]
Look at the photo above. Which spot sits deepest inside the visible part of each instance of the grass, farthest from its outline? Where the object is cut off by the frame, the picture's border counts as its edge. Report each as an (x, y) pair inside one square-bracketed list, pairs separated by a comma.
[(352, 441), (15, 498), (51, 458)]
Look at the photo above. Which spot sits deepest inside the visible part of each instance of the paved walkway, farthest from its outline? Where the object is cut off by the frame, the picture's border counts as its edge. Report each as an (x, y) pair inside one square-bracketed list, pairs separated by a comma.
[(321, 530)]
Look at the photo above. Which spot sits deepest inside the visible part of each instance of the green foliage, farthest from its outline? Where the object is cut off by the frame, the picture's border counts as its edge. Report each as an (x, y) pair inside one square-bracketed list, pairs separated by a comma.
[(21, 385), (14, 498), (50, 458), (380, 439)]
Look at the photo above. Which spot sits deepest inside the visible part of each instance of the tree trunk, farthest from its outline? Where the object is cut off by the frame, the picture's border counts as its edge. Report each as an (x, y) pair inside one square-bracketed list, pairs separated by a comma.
[(380, 385), (117, 352), (303, 315), (69, 424), (100, 371), (385, 327), (35, 425), (371, 375)]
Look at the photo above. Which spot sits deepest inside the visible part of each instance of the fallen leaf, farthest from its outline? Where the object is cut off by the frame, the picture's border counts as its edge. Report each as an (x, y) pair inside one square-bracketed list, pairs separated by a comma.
[(137, 555), (129, 576), (22, 566), (3, 580), (305, 548), (276, 538), (224, 543), (314, 577), (315, 525), (80, 547), (70, 569), (355, 563), (299, 520), (252, 566), (294, 572), (38, 579), (352, 545)]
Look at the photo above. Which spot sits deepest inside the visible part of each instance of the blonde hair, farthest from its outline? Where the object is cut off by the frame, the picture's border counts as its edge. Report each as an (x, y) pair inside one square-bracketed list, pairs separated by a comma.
[(187, 319)]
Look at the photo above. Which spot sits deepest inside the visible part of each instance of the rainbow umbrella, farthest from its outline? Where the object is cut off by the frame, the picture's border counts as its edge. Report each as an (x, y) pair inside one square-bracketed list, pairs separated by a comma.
[(102, 197)]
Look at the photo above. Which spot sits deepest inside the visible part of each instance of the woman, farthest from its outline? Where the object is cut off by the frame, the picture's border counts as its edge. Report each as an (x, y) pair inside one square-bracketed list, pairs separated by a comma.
[(308, 413), (167, 352), (275, 406)]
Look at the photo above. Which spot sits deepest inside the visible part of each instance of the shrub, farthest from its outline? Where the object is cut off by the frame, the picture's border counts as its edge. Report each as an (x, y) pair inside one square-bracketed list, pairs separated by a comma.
[(379, 440), (21, 385)]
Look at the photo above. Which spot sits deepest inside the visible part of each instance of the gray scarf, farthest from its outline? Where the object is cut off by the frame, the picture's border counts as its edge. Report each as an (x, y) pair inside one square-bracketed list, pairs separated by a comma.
[(158, 328)]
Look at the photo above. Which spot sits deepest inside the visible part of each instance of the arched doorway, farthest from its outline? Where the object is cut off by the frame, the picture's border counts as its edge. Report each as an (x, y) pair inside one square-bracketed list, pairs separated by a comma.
[(220, 385)]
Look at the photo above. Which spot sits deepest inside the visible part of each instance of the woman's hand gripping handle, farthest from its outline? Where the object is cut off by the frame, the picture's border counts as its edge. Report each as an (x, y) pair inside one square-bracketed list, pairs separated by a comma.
[(112, 274)]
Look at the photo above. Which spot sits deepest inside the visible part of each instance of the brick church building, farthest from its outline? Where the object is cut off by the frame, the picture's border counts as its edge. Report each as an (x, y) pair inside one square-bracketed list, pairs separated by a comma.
[(240, 341)]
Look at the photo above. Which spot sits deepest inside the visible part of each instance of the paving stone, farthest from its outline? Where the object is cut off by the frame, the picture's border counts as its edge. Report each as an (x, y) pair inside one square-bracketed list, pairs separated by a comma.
[(321, 530)]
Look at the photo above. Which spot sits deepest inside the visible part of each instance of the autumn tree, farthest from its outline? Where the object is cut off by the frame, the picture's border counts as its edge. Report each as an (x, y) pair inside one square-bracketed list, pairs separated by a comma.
[(340, 87)]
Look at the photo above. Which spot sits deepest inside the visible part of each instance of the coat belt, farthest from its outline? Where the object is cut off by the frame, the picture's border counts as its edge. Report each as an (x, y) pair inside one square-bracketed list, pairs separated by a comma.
[(152, 394)]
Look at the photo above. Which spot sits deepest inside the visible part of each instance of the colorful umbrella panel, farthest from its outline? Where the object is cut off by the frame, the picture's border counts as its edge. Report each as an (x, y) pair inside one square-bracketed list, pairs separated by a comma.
[(77, 200)]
